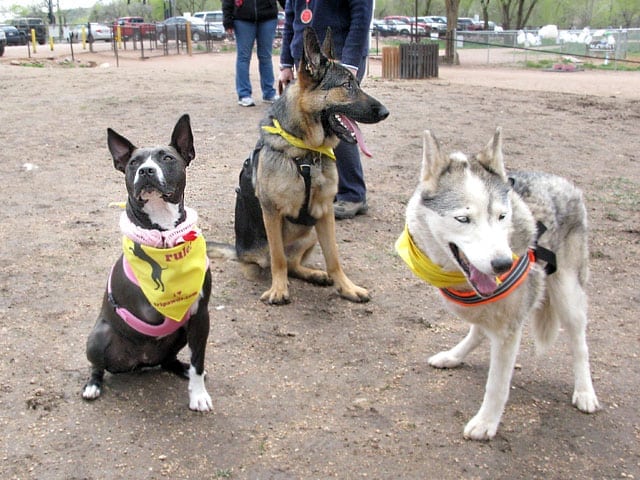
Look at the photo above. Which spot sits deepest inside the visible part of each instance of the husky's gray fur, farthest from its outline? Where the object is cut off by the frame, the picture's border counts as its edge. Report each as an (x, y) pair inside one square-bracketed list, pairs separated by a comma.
[(488, 215)]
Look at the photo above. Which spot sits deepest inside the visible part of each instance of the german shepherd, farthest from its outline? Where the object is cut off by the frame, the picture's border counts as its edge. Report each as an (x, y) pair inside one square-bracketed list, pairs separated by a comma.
[(288, 185)]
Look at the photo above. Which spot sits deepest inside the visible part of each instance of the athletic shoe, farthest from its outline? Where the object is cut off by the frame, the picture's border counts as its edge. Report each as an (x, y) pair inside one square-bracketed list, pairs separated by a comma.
[(246, 102), (343, 209)]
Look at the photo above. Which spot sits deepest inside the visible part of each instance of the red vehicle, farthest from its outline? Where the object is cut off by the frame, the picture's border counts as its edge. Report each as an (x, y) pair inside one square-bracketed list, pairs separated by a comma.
[(134, 27)]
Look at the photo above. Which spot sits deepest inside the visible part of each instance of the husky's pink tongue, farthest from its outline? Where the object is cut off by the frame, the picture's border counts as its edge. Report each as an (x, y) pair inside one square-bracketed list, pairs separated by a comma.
[(484, 284), (353, 126)]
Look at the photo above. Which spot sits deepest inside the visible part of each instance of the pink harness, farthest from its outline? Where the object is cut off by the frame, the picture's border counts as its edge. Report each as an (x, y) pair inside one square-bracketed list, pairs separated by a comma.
[(167, 327), (157, 239)]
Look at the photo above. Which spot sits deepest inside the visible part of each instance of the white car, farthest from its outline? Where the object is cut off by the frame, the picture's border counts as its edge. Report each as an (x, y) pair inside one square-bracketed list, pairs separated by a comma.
[(94, 32)]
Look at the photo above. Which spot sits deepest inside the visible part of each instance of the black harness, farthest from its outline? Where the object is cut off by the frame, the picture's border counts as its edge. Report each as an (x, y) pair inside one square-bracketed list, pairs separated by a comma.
[(304, 217), (303, 165)]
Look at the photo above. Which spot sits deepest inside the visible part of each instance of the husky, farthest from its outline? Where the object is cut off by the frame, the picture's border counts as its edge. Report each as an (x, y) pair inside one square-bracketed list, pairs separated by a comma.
[(490, 241), (288, 184)]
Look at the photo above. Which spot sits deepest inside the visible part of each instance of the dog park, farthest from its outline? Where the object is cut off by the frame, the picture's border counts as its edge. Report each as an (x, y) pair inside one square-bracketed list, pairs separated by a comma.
[(321, 387)]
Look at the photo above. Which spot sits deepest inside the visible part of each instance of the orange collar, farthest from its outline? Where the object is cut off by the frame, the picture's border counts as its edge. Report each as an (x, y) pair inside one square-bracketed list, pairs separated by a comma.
[(509, 282)]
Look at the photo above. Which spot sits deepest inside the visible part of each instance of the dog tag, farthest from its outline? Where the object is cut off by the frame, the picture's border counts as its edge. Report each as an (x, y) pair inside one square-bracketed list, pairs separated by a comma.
[(306, 15)]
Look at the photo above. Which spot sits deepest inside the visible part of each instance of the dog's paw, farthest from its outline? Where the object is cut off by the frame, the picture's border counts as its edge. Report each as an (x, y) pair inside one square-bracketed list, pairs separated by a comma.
[(200, 401), (444, 360), (480, 428), (275, 297), (586, 402), (320, 278), (355, 294), (91, 392)]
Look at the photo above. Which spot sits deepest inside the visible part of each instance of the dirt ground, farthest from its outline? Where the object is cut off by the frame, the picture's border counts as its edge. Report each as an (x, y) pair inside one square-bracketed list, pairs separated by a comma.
[(321, 388)]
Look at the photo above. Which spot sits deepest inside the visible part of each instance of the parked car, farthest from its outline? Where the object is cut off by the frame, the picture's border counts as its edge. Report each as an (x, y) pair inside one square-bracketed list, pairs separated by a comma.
[(96, 32), (26, 24), (398, 27), (134, 27), (214, 21), (382, 28), (280, 26), (214, 16), (436, 23), (469, 24), (176, 27), (13, 35)]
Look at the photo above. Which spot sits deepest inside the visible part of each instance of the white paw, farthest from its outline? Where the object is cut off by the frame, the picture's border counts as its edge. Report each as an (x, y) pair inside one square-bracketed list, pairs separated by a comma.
[(585, 401), (91, 392), (444, 360), (199, 399), (200, 402), (480, 428)]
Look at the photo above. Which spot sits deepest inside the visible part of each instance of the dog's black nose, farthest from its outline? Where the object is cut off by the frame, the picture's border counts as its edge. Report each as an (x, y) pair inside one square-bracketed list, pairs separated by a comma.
[(147, 171), (383, 112), (501, 265)]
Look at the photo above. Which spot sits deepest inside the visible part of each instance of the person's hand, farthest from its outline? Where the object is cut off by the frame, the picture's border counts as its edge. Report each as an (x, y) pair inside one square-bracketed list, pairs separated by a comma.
[(286, 76)]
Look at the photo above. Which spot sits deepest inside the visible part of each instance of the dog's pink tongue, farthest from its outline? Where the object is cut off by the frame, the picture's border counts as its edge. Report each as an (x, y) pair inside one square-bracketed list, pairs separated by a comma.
[(353, 126), (484, 284)]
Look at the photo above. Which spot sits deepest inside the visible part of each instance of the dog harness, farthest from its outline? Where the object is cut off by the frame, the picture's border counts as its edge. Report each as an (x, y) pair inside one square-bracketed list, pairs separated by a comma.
[(423, 267), (171, 278), (303, 165)]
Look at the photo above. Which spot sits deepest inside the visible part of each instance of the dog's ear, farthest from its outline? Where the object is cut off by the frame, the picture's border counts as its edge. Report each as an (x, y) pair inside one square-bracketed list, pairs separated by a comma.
[(182, 139), (491, 156), (313, 61), (121, 149), (433, 161), (327, 45)]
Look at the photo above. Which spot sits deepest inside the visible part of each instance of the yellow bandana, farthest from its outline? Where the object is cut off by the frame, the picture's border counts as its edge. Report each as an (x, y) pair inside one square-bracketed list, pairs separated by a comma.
[(171, 278), (297, 142), (422, 266)]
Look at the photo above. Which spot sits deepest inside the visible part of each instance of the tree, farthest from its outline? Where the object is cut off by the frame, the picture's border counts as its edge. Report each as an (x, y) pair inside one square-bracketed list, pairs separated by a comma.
[(484, 4), (520, 8), (452, 7)]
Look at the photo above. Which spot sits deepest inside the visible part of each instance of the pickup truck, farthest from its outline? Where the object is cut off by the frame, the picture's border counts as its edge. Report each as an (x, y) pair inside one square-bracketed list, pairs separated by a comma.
[(134, 27), (25, 25)]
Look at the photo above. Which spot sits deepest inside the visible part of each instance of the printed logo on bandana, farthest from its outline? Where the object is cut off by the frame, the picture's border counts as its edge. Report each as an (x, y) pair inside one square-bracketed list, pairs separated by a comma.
[(170, 278)]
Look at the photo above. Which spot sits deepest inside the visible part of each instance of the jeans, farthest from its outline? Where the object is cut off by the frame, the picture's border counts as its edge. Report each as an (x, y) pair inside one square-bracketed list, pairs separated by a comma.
[(351, 186), (261, 33)]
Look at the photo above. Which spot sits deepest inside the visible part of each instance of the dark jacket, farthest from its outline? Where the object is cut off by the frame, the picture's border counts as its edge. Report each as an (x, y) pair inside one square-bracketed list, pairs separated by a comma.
[(349, 21), (249, 11)]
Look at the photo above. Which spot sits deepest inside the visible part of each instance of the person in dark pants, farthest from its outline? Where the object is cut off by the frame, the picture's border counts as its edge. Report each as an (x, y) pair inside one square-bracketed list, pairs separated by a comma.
[(349, 21), (252, 22)]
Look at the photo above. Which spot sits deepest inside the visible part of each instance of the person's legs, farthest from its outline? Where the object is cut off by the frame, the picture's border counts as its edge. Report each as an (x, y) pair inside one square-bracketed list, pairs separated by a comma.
[(245, 33), (351, 199), (264, 38)]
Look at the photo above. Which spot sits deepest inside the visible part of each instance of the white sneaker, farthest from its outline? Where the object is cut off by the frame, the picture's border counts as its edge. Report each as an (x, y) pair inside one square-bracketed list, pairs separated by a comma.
[(246, 102), (272, 99)]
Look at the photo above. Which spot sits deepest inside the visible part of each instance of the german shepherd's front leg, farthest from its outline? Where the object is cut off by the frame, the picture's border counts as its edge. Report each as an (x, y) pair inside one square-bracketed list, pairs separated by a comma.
[(278, 294), (326, 230)]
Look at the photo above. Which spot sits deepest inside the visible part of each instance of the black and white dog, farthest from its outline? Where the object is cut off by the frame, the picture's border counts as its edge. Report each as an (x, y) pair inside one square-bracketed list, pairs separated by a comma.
[(157, 295)]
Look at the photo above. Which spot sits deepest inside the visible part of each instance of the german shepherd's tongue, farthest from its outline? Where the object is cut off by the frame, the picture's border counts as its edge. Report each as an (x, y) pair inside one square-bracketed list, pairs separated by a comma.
[(484, 284), (353, 127)]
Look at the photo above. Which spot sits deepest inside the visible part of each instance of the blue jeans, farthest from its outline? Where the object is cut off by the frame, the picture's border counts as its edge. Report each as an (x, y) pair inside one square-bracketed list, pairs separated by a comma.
[(351, 186), (261, 33)]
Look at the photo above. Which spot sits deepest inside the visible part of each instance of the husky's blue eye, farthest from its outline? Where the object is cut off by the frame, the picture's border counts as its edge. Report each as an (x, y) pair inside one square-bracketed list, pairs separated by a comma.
[(463, 219)]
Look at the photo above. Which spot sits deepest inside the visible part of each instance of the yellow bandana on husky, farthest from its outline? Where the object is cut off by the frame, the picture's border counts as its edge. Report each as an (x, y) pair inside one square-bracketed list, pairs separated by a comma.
[(171, 278), (422, 265)]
